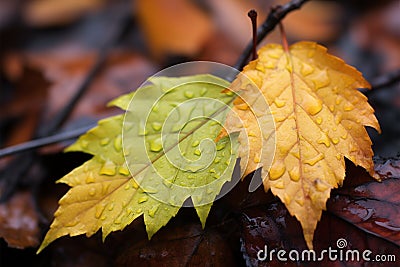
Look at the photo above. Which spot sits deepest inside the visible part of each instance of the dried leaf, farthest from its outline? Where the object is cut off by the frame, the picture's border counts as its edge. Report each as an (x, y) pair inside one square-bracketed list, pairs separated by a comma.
[(19, 221), (173, 27), (319, 119), (105, 195), (54, 12), (270, 224)]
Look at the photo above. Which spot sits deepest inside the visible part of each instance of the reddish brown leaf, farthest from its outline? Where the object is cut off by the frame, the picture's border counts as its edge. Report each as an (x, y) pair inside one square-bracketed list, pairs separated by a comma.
[(19, 221), (365, 214), (187, 245), (373, 207)]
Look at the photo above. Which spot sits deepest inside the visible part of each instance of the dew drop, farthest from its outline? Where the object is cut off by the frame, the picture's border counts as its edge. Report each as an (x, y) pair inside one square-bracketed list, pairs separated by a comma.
[(118, 221), (197, 152), (153, 210), (313, 107), (260, 67), (279, 118), (156, 145), (118, 143), (108, 168), (127, 187), (289, 67), (251, 133), (321, 80), (306, 69), (294, 174), (344, 136), (320, 185), (150, 190), (338, 118), (335, 140), (277, 170), (279, 103), (296, 154), (143, 199), (338, 156), (286, 198), (134, 184), (221, 146), (84, 144), (315, 159), (156, 126), (332, 108), (105, 141), (217, 175), (318, 120), (111, 206), (279, 184), (324, 140), (299, 200), (270, 65), (195, 143), (217, 159), (229, 93), (138, 211), (257, 158), (348, 107), (72, 223), (90, 179), (204, 91), (92, 191), (210, 191), (188, 94), (123, 171), (211, 170), (338, 100), (129, 211), (99, 210), (274, 54)]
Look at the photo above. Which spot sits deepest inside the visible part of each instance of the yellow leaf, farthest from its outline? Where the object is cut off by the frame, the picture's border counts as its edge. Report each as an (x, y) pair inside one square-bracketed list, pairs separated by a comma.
[(319, 119)]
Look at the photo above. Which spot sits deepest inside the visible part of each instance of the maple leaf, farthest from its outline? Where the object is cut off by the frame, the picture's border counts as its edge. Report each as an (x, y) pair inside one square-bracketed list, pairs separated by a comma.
[(319, 119), (140, 174)]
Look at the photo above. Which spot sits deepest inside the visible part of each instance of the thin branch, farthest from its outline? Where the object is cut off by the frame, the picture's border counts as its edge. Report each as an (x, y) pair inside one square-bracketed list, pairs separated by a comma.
[(33, 144), (386, 80), (273, 19)]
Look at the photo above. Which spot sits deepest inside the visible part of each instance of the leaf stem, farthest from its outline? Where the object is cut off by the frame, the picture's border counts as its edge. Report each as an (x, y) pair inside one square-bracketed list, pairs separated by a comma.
[(273, 18), (284, 39), (253, 16)]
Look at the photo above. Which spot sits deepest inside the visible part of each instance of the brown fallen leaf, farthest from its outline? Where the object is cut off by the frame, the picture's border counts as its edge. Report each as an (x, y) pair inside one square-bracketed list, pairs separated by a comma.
[(271, 224), (175, 27), (373, 207), (319, 120), (41, 13), (19, 221), (25, 103), (67, 68)]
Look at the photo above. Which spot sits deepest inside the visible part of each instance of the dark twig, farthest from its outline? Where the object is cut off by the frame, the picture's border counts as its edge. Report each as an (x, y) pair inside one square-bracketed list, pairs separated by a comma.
[(386, 80), (44, 141), (253, 16), (274, 17)]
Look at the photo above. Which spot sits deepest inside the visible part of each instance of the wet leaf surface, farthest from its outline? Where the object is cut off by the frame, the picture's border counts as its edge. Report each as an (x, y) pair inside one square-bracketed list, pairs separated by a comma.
[(19, 221)]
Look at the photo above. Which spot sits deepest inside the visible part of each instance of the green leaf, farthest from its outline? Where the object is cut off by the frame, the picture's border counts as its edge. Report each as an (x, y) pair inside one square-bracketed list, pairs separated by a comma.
[(150, 161)]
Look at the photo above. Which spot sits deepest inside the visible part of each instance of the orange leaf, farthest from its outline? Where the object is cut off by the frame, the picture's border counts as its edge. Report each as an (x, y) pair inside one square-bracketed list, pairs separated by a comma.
[(319, 119), (175, 26)]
